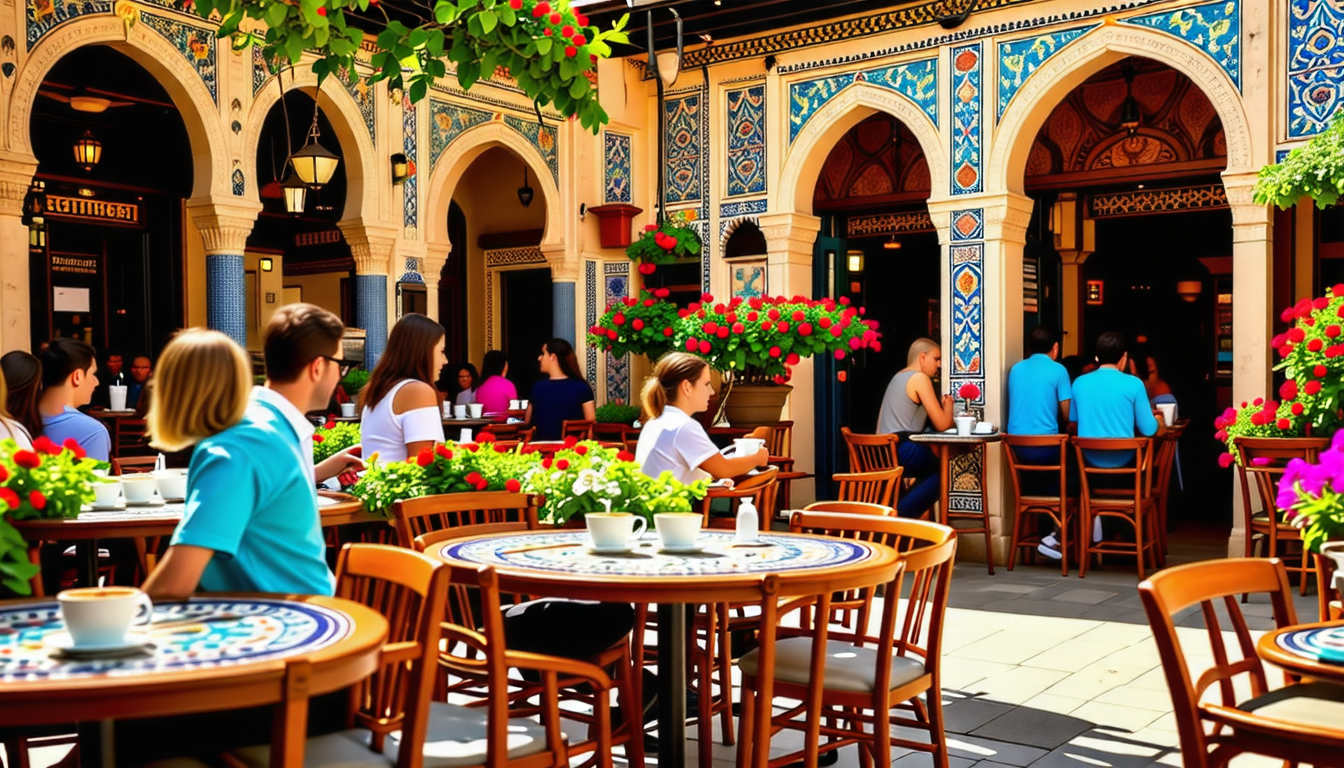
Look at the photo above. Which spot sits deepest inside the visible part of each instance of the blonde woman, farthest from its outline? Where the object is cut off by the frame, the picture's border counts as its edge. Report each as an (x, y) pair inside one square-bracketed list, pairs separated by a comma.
[(251, 521)]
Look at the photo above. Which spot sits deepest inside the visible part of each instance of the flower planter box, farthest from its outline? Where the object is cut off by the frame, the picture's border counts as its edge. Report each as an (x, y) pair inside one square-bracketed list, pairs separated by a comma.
[(614, 223), (756, 405)]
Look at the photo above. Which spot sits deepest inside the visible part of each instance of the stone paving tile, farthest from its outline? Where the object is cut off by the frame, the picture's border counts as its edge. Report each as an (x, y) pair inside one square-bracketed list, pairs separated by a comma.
[(1117, 716), (967, 714), (977, 748), (1033, 727), (990, 649), (1084, 596), (1018, 684), (1049, 702)]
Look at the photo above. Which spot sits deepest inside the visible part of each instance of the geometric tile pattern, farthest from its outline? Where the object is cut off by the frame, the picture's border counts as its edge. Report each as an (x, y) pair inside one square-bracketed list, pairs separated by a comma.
[(239, 183), (196, 44), (685, 160), (616, 168), (226, 296), (968, 225), (916, 80), (449, 121), (746, 141), (371, 315), (562, 310), (1214, 28), (543, 137), (744, 208), (410, 188), (616, 277), (1019, 58), (1315, 65), (590, 316), (362, 92), (967, 63), (261, 70), (43, 15), (968, 333)]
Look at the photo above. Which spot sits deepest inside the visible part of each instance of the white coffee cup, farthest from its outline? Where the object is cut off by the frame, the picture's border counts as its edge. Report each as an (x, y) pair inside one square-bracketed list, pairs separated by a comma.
[(459, 411), (522, 405), (476, 410), (138, 489), (678, 530), (964, 424), (347, 410), (101, 616), (107, 493), (1168, 411), (172, 483), (116, 397), (447, 409), (610, 530), (983, 428), (513, 405), (747, 446), (465, 436)]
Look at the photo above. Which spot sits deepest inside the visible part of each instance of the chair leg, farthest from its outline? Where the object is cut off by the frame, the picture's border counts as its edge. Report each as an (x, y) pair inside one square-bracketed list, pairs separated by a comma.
[(726, 677), (1063, 542), (632, 704), (746, 722), (937, 735), (1085, 542), (1017, 537)]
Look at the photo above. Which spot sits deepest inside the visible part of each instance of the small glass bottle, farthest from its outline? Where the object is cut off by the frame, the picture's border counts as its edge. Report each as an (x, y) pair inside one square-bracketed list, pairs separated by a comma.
[(748, 522)]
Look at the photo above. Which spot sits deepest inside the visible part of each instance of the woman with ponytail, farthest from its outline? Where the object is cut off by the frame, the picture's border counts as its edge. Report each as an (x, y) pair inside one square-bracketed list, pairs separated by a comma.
[(671, 440)]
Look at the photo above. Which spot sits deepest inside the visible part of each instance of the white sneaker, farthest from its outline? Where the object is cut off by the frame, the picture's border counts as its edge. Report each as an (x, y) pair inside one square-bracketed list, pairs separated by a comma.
[(1050, 541), (1050, 552), (1096, 530)]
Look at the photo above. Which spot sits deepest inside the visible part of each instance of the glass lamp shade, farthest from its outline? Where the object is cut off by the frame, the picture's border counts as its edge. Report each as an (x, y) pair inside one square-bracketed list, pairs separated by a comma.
[(88, 151), (401, 168), (37, 234), (525, 195), (669, 67), (296, 193), (315, 164)]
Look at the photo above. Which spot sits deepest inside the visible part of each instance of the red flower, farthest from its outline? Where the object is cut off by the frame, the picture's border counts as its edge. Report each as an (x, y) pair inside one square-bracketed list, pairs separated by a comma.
[(844, 300), (650, 227), (637, 324), (739, 328), (723, 332), (783, 326), (1258, 401), (9, 497), (1285, 350), (1340, 312), (968, 391), (824, 322), (485, 437), (1321, 303), (837, 331), (546, 463), (1225, 460), (1287, 315), (839, 354), (1297, 409), (27, 459), (562, 464), (1333, 331), (318, 438), (1296, 335), (855, 342), (705, 347), (613, 334), (567, 31), (766, 325), (668, 331), (662, 293), (799, 316), (706, 298), (775, 352), (1289, 390), (581, 19), (580, 40), (692, 345), (571, 441), (512, 485), (792, 359), (556, 19), (542, 9), (618, 319), (44, 445), (425, 458), (581, 449), (752, 317), (773, 314), (1338, 290), (330, 423), (625, 456), (647, 268), (571, 52), (443, 451), (481, 486), (1284, 424), (1320, 371), (473, 478), (1312, 387), (4, 474), (37, 499), (516, 5), (805, 329), (321, 11), (1314, 345)]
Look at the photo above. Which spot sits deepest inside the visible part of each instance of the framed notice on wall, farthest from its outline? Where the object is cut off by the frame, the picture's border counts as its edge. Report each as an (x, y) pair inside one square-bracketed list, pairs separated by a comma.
[(65, 299)]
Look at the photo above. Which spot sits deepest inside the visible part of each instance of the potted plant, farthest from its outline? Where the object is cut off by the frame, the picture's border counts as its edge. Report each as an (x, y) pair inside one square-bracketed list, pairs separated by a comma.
[(1312, 497), (643, 326), (615, 419), (663, 244), (49, 481), (354, 381), (1314, 170), (333, 437)]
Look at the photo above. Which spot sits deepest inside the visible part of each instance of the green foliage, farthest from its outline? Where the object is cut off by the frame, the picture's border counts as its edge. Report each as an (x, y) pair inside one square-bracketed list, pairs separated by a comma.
[(617, 413), (47, 482), (664, 244), (1321, 518), (1314, 170), (644, 326), (331, 440), (546, 47), (354, 381)]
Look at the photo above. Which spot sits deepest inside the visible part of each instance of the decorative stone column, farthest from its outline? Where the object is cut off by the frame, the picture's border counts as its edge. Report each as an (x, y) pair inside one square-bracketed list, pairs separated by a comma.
[(1252, 312), (372, 248), (16, 174), (790, 240), (224, 224), (1075, 240), (564, 278), (431, 267)]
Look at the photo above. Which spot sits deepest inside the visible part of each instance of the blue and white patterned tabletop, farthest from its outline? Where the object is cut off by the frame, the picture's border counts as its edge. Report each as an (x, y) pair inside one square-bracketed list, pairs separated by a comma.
[(567, 552), (259, 629), (1308, 643)]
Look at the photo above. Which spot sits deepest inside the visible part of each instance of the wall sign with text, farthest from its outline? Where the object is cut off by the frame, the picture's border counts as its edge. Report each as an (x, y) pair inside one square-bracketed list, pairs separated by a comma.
[(84, 209)]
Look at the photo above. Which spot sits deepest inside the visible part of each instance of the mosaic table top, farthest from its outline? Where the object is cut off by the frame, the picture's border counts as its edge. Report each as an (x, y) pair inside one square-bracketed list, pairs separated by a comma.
[(1309, 642), (228, 632)]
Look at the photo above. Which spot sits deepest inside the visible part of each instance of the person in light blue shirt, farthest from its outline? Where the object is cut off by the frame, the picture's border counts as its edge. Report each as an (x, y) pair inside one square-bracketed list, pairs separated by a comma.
[(1038, 397), (69, 378), (1110, 403)]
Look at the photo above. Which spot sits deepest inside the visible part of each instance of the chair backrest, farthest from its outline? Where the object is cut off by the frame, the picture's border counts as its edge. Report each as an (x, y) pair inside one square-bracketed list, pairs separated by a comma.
[(416, 517), (580, 428), (1211, 584), (133, 465), (463, 604), (761, 488), (878, 487), (410, 589), (1059, 442), (1164, 460), (1264, 460), (850, 508), (1325, 586), (870, 453), (765, 434), (129, 438), (1139, 471), (781, 439)]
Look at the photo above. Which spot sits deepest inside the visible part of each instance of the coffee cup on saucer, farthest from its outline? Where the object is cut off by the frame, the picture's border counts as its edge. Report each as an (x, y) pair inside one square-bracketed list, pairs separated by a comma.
[(139, 489), (348, 410), (983, 428), (172, 483), (475, 410), (459, 411), (107, 493), (513, 405), (614, 530), (747, 446), (678, 530), (102, 616)]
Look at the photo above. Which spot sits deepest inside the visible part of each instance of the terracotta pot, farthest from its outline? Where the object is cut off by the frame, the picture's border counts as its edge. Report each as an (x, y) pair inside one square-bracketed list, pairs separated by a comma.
[(756, 405)]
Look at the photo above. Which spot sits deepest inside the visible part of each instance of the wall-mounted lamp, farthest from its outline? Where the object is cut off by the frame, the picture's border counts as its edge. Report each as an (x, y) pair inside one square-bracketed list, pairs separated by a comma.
[(855, 261), (1095, 292), (1189, 290), (401, 168), (267, 264), (37, 234), (892, 244)]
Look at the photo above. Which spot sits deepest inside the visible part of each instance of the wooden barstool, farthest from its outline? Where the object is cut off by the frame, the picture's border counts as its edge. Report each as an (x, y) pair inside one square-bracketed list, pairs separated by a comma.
[(1122, 493), (1059, 508)]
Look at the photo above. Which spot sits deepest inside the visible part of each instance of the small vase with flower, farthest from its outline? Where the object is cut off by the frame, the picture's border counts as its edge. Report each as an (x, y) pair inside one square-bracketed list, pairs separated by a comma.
[(966, 418)]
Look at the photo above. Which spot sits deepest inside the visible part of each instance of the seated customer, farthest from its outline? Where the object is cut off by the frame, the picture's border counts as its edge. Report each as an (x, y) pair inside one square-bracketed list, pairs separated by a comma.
[(909, 406), (495, 390), (22, 373), (400, 414), (69, 376), (141, 371), (467, 380), (1038, 397), (563, 395), (1109, 403)]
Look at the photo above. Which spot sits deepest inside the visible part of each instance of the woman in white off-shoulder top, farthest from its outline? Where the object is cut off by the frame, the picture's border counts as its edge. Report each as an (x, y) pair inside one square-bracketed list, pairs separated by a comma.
[(399, 407)]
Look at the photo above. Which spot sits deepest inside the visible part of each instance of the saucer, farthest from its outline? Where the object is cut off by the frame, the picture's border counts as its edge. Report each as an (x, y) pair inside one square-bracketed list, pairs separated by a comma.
[(154, 501), (96, 507), (61, 642), (693, 549), (624, 549), (983, 431)]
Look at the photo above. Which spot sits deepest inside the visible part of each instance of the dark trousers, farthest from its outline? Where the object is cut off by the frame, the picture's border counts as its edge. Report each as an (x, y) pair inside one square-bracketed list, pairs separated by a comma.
[(574, 629), (920, 463)]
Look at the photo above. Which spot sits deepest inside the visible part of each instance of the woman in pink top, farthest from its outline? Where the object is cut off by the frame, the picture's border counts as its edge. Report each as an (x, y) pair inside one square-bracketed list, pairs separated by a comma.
[(495, 391)]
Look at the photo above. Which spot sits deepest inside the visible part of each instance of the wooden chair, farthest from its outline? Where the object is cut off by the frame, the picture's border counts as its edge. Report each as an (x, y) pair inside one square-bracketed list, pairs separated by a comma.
[(760, 488), (580, 428), (128, 438), (780, 442), (1124, 493), (1164, 465), (148, 549), (416, 517), (853, 680), (878, 487), (391, 709), (870, 453), (850, 508), (1289, 723), (133, 465), (1059, 508), (1264, 459)]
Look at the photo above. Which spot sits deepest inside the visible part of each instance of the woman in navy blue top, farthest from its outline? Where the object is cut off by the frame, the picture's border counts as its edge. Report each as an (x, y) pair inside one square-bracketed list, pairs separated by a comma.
[(563, 395)]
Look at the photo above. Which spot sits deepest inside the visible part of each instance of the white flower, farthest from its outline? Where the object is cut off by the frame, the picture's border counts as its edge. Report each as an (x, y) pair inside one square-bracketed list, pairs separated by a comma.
[(586, 481)]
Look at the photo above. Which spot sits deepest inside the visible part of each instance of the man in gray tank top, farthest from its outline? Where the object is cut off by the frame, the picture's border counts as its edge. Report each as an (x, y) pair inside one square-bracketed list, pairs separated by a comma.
[(911, 405)]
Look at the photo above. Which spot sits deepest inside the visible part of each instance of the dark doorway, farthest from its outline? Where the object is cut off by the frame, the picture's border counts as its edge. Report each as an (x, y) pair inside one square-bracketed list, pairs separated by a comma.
[(527, 319), (453, 278)]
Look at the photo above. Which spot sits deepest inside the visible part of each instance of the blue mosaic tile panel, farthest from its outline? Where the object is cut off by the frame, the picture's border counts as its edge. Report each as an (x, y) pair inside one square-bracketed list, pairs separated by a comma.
[(371, 315), (967, 97), (616, 278), (362, 92), (263, 69), (968, 225), (1214, 28), (617, 172), (749, 281), (744, 208), (1315, 65), (197, 44), (916, 80), (684, 173), (448, 122), (226, 296), (239, 183), (968, 268), (746, 141), (44, 15), (562, 311), (1281, 155), (1018, 59), (590, 317), (410, 139), (543, 137)]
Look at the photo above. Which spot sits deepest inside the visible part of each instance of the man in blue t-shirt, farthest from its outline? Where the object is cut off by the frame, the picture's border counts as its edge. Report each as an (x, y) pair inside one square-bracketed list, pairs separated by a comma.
[(69, 377), (1110, 403), (1038, 401)]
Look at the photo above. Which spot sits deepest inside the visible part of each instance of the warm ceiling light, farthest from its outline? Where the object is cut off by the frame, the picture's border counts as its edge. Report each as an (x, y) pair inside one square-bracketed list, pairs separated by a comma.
[(1189, 290), (1130, 116), (88, 151), (892, 244), (266, 264), (296, 193), (855, 261)]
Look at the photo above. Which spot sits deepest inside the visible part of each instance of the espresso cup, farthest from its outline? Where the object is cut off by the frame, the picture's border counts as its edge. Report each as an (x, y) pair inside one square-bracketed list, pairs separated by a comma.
[(476, 410), (172, 483), (347, 410), (513, 405), (964, 424), (610, 530), (983, 428), (465, 435), (459, 411), (522, 405), (138, 489), (101, 616), (747, 446), (677, 530), (107, 493), (116, 397)]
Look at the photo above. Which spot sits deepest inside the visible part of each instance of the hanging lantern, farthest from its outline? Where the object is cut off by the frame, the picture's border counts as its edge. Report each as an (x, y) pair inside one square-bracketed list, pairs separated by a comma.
[(35, 202), (296, 193), (525, 192), (1130, 116), (314, 163), (88, 151)]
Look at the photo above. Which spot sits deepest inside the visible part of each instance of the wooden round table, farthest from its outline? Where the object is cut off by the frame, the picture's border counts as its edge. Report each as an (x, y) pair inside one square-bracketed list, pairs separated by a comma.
[(220, 652), (947, 446), (1297, 649), (558, 564)]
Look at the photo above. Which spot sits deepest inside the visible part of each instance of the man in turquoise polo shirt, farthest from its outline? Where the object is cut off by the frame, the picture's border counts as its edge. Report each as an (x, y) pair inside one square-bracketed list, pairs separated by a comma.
[(1111, 403), (252, 523), (1038, 400)]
